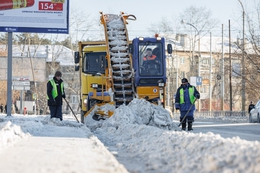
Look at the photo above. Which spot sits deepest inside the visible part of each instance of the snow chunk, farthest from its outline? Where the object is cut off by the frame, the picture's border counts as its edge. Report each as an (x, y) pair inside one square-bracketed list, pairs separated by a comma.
[(10, 134)]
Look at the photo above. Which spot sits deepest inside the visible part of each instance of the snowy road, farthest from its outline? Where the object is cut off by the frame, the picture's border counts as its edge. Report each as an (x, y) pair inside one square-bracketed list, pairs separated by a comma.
[(247, 131)]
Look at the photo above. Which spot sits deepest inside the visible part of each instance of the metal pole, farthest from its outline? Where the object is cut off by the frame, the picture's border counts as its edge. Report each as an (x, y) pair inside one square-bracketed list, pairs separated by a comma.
[(243, 61), (230, 70), (243, 67), (21, 102), (223, 73), (177, 72), (9, 74), (210, 74), (199, 70), (183, 22)]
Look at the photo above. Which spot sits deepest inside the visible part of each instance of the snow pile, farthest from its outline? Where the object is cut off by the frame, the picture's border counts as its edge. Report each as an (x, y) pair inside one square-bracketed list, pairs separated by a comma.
[(138, 111), (10, 133), (154, 150), (140, 131)]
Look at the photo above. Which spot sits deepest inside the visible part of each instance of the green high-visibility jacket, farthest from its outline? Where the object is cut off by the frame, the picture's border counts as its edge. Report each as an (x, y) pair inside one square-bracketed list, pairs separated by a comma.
[(191, 95), (54, 92)]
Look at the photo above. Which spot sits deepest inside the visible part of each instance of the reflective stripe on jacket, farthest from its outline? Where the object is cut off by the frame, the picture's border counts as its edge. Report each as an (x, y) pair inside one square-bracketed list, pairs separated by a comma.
[(191, 95), (54, 91)]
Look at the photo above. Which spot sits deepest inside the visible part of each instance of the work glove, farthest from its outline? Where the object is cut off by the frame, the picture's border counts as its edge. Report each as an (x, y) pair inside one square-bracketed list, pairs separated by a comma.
[(197, 96), (177, 106), (64, 96)]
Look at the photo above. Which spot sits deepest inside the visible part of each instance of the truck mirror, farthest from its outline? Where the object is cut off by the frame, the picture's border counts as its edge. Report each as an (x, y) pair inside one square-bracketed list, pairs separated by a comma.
[(76, 67), (169, 49), (76, 57), (131, 48)]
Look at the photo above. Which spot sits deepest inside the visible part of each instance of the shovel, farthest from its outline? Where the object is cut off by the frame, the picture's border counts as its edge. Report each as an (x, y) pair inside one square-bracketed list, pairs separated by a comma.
[(187, 113), (71, 110)]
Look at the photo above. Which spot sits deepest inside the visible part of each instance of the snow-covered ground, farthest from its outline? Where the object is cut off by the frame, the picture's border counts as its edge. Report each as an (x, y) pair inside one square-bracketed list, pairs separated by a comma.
[(140, 136)]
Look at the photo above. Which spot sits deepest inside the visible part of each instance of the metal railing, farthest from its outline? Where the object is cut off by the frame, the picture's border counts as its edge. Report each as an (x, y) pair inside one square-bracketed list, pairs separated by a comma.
[(219, 113), (214, 114)]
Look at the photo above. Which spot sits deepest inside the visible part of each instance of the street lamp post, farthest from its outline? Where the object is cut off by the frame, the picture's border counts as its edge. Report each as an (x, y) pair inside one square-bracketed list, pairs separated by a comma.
[(198, 34), (243, 61)]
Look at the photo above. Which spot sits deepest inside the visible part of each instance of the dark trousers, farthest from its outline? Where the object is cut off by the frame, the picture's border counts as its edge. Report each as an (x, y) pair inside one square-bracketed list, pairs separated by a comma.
[(56, 111)]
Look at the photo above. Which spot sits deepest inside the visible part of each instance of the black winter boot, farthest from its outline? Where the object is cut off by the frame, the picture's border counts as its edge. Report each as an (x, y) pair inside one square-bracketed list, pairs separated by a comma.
[(190, 126), (183, 126)]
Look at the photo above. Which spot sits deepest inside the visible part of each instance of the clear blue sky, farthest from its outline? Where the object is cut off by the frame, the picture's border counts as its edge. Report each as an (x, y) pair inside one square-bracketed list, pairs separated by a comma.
[(152, 11)]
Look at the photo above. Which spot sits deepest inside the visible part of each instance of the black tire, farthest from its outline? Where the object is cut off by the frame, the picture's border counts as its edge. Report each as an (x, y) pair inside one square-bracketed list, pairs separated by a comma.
[(250, 118)]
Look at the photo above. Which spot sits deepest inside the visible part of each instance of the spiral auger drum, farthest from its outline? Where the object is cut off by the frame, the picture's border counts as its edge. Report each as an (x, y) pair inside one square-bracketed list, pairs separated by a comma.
[(118, 57)]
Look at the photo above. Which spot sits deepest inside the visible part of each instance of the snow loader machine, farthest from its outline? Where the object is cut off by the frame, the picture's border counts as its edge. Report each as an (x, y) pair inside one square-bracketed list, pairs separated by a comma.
[(112, 72)]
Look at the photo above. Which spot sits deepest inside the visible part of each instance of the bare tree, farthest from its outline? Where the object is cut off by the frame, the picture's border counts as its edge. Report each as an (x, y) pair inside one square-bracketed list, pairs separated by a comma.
[(252, 53), (202, 22)]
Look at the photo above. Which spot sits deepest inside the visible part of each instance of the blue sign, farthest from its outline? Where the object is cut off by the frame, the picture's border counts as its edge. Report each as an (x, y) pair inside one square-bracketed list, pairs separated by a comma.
[(198, 81), (11, 29)]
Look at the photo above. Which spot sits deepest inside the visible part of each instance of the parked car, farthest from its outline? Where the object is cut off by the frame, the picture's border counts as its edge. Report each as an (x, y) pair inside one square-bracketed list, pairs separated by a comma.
[(254, 116)]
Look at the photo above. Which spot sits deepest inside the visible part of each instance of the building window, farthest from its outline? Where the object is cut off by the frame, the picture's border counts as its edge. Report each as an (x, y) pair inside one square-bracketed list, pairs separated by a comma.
[(182, 73), (182, 60), (204, 89), (236, 72), (74, 99), (206, 61)]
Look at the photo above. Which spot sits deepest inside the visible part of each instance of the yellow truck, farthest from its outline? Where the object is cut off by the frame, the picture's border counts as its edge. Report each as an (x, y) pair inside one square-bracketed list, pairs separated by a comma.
[(114, 72)]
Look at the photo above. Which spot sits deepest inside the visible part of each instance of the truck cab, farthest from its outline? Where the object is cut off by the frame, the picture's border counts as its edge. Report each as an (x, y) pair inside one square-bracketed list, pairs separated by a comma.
[(91, 63), (149, 63)]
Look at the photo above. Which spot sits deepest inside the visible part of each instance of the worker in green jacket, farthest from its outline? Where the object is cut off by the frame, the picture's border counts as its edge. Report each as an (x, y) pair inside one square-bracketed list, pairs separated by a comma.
[(184, 101), (55, 93)]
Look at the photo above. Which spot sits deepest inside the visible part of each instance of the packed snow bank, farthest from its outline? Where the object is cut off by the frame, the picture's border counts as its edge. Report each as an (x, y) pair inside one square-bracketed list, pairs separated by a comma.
[(156, 150), (139, 111), (143, 143)]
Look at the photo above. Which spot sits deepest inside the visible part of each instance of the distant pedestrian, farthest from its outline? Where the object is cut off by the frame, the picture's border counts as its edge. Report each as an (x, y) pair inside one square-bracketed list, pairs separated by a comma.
[(1, 108), (184, 101), (55, 93), (250, 107)]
